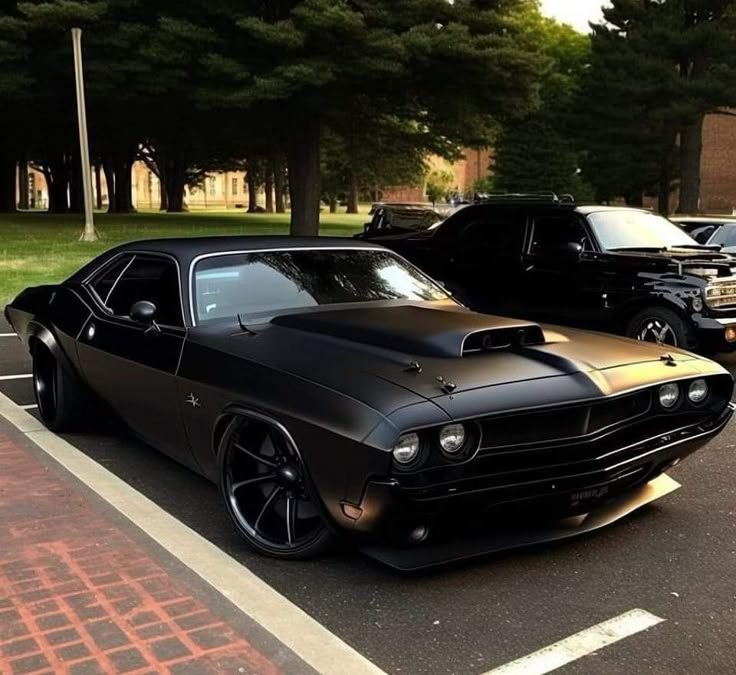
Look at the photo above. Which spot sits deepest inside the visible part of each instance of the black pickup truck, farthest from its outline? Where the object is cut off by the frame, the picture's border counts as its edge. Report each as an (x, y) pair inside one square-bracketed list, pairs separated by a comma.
[(615, 269)]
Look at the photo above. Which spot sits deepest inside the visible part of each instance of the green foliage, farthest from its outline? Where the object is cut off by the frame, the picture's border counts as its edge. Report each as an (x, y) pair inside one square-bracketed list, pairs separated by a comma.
[(537, 152), (439, 184), (657, 69)]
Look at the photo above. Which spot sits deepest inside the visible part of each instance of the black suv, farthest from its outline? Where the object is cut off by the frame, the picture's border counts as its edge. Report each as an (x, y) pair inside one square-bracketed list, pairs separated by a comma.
[(621, 270)]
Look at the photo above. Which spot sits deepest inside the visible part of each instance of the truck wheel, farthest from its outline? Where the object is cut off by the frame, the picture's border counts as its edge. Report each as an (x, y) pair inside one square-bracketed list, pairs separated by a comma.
[(662, 326)]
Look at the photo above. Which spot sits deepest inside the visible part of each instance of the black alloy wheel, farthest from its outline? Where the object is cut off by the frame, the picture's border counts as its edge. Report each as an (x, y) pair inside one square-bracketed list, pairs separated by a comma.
[(267, 492), (45, 384), (663, 326)]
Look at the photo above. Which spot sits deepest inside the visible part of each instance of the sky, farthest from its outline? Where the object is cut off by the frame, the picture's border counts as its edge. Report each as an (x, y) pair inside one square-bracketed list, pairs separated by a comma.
[(575, 12)]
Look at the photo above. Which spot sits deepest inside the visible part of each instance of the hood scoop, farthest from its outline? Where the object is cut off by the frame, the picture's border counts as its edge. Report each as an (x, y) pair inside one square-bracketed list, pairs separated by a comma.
[(418, 330)]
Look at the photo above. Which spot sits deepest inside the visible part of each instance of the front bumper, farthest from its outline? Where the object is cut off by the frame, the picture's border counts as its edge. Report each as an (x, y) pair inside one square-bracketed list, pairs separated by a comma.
[(712, 334), (390, 513)]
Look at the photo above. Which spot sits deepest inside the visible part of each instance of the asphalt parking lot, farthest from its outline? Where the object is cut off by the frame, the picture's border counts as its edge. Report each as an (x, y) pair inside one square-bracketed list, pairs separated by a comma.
[(675, 559)]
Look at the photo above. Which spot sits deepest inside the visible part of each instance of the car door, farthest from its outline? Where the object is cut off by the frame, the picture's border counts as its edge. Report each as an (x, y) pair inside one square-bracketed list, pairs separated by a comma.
[(561, 279), (133, 367), (485, 261)]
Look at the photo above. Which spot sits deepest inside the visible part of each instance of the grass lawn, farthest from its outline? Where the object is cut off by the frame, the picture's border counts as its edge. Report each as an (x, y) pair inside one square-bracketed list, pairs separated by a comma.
[(38, 248)]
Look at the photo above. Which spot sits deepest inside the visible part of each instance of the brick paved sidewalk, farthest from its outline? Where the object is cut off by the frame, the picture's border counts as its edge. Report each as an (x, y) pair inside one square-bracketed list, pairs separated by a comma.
[(83, 591)]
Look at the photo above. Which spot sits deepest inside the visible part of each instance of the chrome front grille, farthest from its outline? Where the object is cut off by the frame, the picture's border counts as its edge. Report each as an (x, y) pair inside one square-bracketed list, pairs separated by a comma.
[(721, 294)]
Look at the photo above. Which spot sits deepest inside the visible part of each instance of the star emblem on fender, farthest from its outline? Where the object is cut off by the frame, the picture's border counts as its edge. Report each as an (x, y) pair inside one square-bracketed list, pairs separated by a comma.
[(193, 401)]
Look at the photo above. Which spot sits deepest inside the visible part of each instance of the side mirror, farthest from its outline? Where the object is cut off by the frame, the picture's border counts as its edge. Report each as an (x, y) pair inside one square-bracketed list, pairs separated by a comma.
[(144, 313), (572, 250)]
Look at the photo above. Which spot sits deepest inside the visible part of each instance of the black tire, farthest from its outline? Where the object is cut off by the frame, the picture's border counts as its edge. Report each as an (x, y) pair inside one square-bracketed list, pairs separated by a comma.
[(655, 322), (63, 403), (267, 492)]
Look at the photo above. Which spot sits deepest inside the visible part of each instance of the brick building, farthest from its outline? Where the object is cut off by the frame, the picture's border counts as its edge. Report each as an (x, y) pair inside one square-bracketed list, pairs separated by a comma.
[(718, 191)]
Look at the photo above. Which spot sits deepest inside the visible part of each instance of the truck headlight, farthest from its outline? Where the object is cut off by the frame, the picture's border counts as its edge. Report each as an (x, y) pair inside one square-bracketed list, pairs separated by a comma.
[(669, 395), (452, 438), (407, 449), (698, 391)]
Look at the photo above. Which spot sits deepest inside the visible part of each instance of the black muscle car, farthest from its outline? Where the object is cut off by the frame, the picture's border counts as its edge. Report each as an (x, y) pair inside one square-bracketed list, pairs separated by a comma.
[(621, 270), (333, 389)]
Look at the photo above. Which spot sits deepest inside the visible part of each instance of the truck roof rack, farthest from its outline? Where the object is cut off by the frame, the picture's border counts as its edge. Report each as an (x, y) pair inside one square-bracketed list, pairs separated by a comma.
[(525, 197)]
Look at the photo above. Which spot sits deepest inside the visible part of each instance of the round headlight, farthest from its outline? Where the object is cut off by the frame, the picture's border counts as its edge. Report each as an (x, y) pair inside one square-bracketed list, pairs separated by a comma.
[(669, 395), (698, 391), (407, 449), (697, 304), (452, 438)]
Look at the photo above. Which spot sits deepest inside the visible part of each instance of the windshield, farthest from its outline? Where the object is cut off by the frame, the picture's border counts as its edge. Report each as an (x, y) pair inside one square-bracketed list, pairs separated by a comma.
[(629, 229), (268, 282)]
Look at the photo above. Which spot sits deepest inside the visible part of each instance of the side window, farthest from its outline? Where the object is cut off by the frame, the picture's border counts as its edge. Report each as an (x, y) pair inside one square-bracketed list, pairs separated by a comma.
[(551, 234), (104, 283), (148, 278), (496, 241)]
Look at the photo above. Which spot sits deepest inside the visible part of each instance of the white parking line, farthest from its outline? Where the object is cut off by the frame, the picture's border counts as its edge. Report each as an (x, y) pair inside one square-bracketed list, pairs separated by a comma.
[(5, 378), (292, 626), (581, 644), (2, 335)]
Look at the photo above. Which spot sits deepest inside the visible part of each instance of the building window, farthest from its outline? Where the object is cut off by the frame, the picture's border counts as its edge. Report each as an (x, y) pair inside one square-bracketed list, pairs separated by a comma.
[(213, 186), (235, 185)]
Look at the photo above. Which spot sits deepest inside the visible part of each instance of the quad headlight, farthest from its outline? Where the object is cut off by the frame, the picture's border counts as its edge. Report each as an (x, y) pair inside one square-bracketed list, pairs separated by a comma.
[(407, 449), (669, 395), (452, 438), (698, 391)]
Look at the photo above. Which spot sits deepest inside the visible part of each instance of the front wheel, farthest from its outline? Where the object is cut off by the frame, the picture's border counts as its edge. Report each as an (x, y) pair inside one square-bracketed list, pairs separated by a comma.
[(63, 403), (267, 493), (662, 326)]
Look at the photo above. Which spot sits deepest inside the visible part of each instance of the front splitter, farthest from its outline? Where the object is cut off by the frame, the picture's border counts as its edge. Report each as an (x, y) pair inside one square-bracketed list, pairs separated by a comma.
[(429, 554)]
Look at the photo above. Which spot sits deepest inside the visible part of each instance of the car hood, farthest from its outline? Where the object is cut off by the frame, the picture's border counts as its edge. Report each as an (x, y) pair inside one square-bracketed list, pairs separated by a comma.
[(391, 357), (698, 262)]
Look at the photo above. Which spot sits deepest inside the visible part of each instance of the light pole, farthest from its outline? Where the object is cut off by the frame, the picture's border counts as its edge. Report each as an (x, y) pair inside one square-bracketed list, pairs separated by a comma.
[(89, 234)]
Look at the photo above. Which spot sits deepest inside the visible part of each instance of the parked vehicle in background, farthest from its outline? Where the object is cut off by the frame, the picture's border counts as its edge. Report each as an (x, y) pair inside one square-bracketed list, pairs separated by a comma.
[(616, 269), (704, 228), (725, 237), (400, 218), (332, 389)]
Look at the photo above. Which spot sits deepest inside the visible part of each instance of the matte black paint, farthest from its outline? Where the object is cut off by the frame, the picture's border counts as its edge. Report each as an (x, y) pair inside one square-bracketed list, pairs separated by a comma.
[(340, 380)]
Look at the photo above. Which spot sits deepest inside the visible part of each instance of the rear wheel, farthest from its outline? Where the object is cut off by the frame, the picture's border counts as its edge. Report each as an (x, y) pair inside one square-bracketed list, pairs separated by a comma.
[(662, 326), (267, 493), (61, 398)]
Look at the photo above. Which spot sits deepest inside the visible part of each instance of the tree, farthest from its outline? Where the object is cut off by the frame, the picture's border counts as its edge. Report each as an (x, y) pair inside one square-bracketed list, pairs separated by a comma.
[(307, 61), (538, 152), (439, 183), (658, 68)]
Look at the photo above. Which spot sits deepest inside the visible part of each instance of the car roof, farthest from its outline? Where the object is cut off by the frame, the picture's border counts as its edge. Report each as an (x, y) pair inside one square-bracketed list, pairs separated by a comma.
[(186, 249)]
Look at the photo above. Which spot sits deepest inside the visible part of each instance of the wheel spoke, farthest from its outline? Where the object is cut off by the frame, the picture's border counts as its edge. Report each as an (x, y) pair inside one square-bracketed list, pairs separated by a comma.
[(254, 455), (253, 481), (267, 505), (292, 505)]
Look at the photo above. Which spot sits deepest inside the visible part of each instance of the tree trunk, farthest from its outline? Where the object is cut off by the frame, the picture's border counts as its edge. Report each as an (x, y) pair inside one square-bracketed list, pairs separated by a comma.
[(76, 185), (279, 184), (58, 179), (269, 188), (304, 174), (691, 154), (23, 197), (98, 187), (165, 196), (7, 184), (176, 177), (333, 204), (352, 192), (112, 193), (635, 199), (663, 198), (252, 181)]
